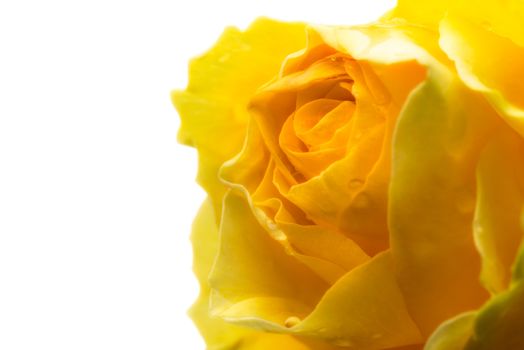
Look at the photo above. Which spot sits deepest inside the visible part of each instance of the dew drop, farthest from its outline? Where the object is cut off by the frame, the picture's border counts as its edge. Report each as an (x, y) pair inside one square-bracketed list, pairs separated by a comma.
[(477, 228), (271, 225), (292, 321)]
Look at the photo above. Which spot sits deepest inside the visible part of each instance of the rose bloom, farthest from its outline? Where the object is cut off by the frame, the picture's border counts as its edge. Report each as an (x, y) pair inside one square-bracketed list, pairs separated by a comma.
[(365, 184)]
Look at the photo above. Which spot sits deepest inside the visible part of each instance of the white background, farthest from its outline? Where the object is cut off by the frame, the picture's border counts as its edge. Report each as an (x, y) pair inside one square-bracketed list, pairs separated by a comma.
[(96, 197)]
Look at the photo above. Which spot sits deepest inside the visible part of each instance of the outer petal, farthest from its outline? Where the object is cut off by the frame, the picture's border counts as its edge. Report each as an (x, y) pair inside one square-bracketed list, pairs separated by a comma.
[(432, 192), (452, 334), (257, 284), (503, 18), (500, 198), (499, 323), (253, 278), (217, 333), (265, 341), (213, 106), (363, 310), (499, 78), (425, 12), (432, 198)]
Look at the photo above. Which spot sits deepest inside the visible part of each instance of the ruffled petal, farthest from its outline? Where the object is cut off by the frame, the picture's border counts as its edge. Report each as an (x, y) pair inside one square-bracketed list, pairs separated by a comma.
[(327, 252), (258, 284), (221, 83), (351, 193), (254, 280), (218, 334)]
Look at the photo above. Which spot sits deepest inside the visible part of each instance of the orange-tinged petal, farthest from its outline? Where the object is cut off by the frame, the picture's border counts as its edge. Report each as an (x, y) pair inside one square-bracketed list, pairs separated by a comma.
[(327, 197), (499, 323), (307, 162), (351, 194), (252, 173)]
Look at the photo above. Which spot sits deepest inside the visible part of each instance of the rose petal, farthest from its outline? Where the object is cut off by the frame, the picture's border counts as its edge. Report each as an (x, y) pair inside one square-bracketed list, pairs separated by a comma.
[(256, 283), (452, 334), (217, 333), (487, 63), (326, 252), (221, 83), (500, 198), (265, 341), (499, 323), (364, 309), (253, 271), (351, 194), (432, 198), (504, 18)]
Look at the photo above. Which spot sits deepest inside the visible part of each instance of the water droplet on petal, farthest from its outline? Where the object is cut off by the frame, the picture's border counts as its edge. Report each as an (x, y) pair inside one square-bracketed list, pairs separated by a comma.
[(477, 227), (292, 321), (271, 225)]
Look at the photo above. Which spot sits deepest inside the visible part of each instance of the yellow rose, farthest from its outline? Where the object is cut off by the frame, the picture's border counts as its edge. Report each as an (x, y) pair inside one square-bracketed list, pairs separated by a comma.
[(485, 41), (344, 175)]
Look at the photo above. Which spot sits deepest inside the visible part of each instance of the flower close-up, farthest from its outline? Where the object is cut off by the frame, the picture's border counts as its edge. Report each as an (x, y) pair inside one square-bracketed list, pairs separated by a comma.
[(365, 183)]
